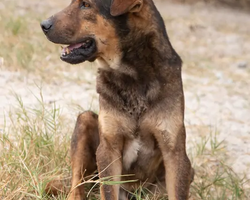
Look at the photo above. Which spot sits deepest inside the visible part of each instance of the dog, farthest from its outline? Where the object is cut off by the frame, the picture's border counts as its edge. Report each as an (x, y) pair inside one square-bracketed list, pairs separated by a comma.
[(139, 136)]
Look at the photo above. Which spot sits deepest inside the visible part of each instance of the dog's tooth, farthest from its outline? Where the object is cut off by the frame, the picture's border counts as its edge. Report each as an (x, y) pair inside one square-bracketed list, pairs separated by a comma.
[(67, 50)]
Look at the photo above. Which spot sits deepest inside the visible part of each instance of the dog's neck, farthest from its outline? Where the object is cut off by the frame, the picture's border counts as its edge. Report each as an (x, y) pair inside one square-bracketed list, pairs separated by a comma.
[(144, 45), (146, 64), (141, 77)]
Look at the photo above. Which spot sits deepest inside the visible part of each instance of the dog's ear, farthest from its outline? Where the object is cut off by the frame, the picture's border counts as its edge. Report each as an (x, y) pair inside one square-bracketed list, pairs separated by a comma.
[(119, 7)]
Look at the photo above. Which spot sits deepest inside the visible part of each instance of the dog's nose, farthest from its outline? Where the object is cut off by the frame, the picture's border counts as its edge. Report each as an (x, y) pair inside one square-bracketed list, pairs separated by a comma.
[(46, 25)]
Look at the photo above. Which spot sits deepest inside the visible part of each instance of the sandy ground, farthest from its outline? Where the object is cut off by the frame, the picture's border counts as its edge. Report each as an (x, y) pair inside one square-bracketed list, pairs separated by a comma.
[(214, 44)]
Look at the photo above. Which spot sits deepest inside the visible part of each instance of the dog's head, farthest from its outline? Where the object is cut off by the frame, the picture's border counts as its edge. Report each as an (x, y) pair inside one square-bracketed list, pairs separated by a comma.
[(91, 28)]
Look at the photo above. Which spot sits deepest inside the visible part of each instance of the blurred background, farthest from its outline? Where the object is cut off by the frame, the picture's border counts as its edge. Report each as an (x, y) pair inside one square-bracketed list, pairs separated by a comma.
[(41, 96)]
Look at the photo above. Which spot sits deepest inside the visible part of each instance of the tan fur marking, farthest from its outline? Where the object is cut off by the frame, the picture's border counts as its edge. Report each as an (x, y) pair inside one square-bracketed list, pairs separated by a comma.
[(107, 41)]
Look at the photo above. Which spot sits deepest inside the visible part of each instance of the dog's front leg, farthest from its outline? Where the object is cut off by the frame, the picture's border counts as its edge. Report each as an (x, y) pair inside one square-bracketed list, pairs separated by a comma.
[(178, 171), (110, 167), (109, 156)]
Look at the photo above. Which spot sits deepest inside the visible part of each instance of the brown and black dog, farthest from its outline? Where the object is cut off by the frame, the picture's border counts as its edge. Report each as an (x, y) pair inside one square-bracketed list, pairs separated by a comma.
[(140, 128)]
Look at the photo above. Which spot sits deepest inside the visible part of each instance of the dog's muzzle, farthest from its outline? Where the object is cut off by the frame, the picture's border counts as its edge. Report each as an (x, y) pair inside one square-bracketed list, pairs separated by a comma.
[(76, 52)]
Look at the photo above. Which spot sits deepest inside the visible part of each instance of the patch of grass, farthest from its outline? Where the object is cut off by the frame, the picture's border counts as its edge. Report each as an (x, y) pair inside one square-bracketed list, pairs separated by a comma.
[(15, 26), (218, 182), (34, 150), (214, 178), (209, 145), (22, 40)]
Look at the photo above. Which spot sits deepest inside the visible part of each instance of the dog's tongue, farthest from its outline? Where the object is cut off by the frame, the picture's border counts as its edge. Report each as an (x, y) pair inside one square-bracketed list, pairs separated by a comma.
[(71, 47), (74, 46)]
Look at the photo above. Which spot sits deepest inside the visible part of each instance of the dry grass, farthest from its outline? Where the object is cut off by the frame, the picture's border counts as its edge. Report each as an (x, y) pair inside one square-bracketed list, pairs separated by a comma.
[(22, 47), (34, 145), (34, 150)]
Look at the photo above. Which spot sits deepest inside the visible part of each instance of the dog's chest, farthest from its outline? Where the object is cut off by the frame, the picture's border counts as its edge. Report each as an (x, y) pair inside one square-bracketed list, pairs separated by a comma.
[(130, 152), (139, 152), (123, 93)]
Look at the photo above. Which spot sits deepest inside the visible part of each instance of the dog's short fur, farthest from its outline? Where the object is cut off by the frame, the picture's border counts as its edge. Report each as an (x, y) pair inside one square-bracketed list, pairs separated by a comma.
[(140, 128)]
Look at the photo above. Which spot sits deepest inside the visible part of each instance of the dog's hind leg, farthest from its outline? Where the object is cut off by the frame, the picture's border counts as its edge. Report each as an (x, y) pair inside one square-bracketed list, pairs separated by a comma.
[(84, 143)]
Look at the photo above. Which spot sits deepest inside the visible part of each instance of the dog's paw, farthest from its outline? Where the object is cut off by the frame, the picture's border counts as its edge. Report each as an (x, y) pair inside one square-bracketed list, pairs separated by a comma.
[(56, 187)]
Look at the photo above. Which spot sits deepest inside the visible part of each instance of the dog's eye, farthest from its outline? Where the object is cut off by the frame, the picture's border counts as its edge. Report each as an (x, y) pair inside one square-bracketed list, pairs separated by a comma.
[(85, 5)]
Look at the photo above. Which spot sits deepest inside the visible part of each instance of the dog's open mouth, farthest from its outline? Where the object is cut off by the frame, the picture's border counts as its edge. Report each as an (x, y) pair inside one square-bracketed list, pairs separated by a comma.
[(80, 52)]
